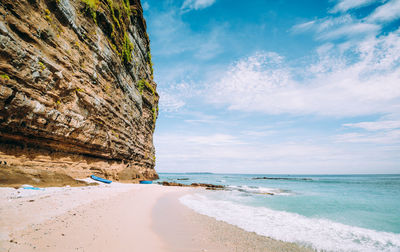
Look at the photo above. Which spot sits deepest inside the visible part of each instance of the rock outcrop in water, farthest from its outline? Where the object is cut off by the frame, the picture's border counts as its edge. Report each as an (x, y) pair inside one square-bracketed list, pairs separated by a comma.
[(277, 178), (206, 186), (77, 94)]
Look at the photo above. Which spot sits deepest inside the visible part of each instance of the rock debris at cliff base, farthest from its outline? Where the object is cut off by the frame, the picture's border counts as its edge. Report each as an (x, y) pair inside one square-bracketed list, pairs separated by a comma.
[(77, 94), (15, 176)]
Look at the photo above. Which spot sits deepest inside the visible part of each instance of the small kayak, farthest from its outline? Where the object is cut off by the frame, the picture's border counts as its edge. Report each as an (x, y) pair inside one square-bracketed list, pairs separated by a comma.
[(146, 182), (32, 188), (101, 179)]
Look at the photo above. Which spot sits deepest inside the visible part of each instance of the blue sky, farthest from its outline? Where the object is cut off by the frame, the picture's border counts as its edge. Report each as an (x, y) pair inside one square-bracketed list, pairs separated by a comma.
[(276, 86)]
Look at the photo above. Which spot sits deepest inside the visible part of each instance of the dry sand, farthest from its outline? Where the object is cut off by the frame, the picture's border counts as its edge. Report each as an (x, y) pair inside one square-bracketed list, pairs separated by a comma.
[(116, 217)]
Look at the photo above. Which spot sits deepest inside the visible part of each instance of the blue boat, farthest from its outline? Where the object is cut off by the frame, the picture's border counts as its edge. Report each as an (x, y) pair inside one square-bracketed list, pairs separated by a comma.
[(146, 182), (32, 188), (101, 179)]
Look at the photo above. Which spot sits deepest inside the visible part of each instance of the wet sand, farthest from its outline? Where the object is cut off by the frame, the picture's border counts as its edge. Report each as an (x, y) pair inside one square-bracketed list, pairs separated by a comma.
[(185, 230)]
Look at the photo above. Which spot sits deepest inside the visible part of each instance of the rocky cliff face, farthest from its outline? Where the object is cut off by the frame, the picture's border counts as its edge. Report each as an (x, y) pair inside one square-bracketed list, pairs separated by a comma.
[(77, 94)]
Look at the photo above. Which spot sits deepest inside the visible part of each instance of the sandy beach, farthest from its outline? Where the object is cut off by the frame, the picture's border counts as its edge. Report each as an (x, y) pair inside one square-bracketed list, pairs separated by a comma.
[(117, 217)]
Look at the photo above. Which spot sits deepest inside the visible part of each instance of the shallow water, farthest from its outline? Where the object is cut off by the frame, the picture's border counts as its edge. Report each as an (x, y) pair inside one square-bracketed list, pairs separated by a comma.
[(330, 212)]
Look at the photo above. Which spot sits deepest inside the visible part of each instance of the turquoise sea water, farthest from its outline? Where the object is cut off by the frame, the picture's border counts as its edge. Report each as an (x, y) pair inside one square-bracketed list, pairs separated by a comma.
[(326, 212)]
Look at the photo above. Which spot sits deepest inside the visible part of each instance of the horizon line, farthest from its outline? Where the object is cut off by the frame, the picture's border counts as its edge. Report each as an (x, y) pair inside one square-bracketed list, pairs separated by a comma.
[(282, 173)]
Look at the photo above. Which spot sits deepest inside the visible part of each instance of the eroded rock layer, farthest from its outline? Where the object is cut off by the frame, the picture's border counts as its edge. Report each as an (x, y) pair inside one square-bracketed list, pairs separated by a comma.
[(76, 88)]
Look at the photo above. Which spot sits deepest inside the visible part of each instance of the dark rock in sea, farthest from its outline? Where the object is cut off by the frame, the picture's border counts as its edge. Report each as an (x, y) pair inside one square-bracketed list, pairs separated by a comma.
[(273, 178), (166, 183), (206, 186), (183, 179)]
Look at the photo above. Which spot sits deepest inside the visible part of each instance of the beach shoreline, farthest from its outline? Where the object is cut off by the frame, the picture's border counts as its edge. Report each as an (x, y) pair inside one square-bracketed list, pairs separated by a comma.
[(186, 230), (117, 217)]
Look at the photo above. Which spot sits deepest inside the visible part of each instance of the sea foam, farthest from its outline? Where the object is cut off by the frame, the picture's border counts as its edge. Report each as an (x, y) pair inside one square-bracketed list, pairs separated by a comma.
[(320, 234), (259, 190)]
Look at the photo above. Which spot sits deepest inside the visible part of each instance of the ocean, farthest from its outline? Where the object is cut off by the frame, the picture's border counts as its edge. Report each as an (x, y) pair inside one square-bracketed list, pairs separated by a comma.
[(325, 212)]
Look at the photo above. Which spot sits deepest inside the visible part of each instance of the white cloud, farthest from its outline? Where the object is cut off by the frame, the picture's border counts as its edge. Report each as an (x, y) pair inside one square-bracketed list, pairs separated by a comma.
[(373, 126), (211, 47), (382, 137), (195, 117), (345, 5), (214, 140), (258, 134), (174, 36), (145, 6), (323, 24), (221, 152), (170, 103), (221, 146), (174, 96), (348, 26), (196, 4), (168, 30), (329, 23), (303, 26), (344, 26), (364, 84), (386, 13), (376, 132), (351, 31)]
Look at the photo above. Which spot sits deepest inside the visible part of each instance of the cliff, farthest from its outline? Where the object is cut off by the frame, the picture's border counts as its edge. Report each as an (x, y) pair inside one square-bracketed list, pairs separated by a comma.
[(77, 94)]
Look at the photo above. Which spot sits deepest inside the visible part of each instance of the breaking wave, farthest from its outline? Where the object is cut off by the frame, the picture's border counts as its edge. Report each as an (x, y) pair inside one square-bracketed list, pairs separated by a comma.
[(320, 234)]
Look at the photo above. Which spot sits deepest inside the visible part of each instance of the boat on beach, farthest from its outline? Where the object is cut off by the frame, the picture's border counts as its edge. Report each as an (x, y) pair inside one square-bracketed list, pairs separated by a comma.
[(100, 179)]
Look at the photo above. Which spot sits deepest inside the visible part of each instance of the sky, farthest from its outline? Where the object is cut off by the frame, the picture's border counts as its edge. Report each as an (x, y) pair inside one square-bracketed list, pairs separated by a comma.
[(276, 86)]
